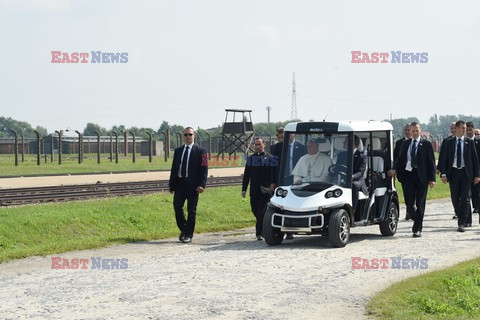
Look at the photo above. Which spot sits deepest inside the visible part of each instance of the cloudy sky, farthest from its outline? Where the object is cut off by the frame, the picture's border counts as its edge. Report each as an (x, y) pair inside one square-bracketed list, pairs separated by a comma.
[(189, 60)]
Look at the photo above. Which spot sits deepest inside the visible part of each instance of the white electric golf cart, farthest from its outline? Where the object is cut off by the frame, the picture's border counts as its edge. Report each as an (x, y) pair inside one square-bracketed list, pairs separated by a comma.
[(324, 206)]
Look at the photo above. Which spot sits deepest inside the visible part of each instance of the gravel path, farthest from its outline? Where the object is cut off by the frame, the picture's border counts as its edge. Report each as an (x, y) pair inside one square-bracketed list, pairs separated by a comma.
[(231, 276)]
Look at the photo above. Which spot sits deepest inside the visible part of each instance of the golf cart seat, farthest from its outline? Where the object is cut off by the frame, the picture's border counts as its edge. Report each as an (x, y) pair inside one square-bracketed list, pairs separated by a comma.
[(378, 162), (324, 145)]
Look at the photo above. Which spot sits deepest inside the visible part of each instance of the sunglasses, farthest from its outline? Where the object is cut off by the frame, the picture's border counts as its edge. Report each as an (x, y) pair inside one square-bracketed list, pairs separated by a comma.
[(188, 134)]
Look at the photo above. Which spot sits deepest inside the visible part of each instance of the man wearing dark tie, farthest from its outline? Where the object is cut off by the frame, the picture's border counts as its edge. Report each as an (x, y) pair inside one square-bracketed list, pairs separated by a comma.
[(187, 180), (453, 130), (475, 188), (396, 153), (295, 151), (415, 169), (460, 168)]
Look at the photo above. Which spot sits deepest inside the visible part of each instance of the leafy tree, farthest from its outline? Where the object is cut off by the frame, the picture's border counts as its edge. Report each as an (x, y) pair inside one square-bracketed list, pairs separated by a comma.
[(92, 127)]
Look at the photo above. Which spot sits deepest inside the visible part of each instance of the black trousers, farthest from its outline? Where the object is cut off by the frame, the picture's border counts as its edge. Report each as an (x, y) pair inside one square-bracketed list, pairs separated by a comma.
[(415, 199), (258, 202), (185, 192), (355, 192), (404, 198), (476, 196), (460, 194)]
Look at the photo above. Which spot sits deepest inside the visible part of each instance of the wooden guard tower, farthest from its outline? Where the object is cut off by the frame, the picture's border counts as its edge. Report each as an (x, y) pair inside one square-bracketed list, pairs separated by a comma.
[(237, 135)]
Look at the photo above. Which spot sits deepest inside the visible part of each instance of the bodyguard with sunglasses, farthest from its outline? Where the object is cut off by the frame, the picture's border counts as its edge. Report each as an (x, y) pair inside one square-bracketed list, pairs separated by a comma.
[(187, 179)]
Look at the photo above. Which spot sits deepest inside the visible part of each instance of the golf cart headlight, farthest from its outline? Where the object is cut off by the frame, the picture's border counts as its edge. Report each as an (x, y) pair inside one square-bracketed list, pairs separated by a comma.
[(329, 194), (337, 193), (279, 192), (284, 194)]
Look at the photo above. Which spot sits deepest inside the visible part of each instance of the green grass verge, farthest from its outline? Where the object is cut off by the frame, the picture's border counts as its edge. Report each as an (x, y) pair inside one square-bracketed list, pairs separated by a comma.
[(70, 164), (56, 228), (441, 190), (452, 293)]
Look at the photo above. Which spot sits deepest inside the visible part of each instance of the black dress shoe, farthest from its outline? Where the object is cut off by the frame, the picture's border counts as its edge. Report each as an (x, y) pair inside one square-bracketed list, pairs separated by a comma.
[(461, 229), (407, 217), (289, 236), (181, 237), (417, 234), (187, 239)]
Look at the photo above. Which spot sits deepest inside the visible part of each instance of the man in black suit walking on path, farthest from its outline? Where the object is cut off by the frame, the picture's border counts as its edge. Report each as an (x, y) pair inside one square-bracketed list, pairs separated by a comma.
[(187, 180), (453, 130), (415, 169), (396, 154), (258, 174), (460, 168), (475, 191)]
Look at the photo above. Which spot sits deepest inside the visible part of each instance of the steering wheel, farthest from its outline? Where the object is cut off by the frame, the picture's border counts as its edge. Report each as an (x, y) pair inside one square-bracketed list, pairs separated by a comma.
[(339, 169)]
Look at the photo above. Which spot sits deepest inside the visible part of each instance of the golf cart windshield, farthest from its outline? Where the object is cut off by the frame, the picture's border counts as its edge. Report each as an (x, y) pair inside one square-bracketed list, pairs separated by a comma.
[(316, 161)]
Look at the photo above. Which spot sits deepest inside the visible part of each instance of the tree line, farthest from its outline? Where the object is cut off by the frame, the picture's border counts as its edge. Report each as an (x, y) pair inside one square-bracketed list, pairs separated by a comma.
[(436, 125)]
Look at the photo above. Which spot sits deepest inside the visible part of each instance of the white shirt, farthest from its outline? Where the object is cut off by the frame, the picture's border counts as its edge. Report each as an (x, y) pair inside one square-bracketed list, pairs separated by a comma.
[(408, 167), (179, 174)]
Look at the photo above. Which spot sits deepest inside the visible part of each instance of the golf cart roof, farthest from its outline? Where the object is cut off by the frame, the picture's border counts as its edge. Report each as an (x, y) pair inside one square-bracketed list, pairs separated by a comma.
[(342, 126)]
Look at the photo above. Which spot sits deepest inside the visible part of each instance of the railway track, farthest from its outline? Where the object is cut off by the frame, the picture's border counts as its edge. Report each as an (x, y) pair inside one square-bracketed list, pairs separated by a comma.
[(21, 196)]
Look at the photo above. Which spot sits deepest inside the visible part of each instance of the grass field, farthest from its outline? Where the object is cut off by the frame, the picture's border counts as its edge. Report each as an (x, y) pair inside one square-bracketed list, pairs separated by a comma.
[(452, 293), (55, 228), (70, 165)]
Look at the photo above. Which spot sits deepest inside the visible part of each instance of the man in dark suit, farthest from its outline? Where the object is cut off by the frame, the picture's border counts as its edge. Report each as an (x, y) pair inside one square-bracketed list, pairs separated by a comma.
[(398, 143), (258, 174), (441, 154), (396, 153), (415, 169), (460, 168), (475, 188), (358, 169), (477, 147), (295, 151), (280, 135), (187, 180)]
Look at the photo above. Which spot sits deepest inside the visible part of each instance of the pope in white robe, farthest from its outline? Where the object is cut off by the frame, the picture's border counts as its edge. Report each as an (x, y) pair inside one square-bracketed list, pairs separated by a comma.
[(312, 167)]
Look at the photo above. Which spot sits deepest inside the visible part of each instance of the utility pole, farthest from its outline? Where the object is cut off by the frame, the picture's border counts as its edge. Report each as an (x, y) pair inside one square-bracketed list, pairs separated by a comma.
[(293, 115), (268, 111)]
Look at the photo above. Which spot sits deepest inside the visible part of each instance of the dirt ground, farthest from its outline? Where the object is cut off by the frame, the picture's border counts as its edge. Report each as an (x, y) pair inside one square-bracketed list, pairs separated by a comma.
[(232, 276)]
